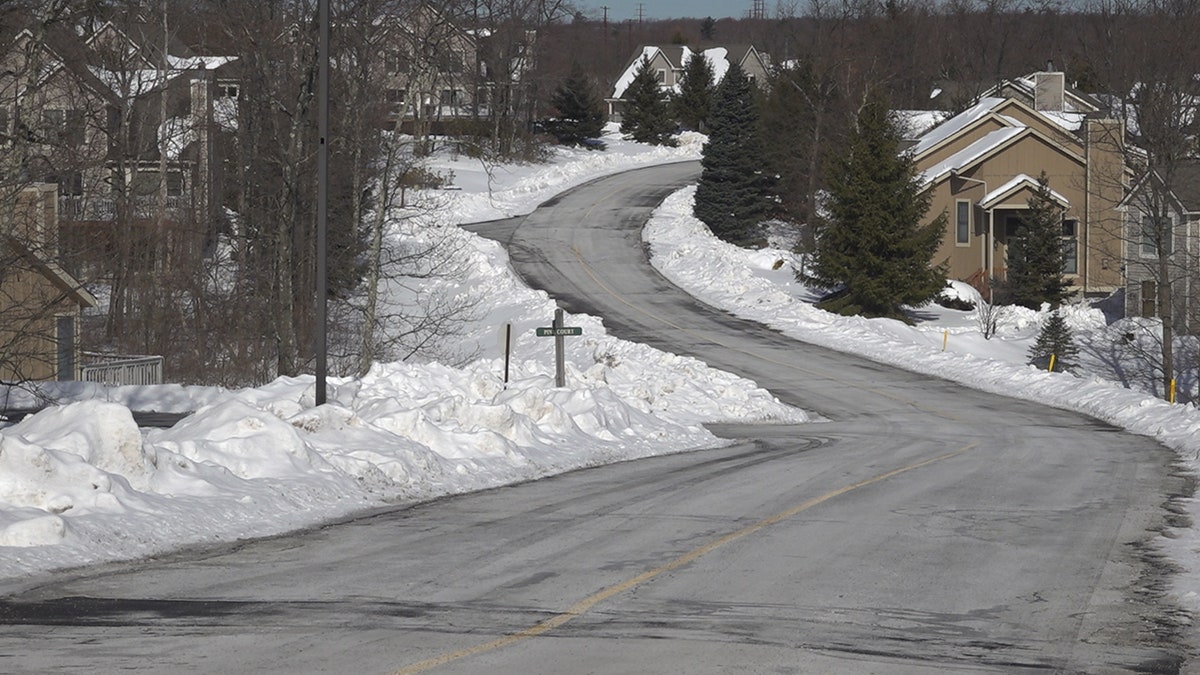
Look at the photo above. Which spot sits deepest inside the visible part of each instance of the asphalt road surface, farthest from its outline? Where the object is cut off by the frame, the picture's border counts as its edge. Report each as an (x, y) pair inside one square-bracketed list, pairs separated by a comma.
[(924, 527)]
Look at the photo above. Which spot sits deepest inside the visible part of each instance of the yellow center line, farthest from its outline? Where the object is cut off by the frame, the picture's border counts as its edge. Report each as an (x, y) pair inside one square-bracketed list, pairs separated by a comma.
[(583, 606)]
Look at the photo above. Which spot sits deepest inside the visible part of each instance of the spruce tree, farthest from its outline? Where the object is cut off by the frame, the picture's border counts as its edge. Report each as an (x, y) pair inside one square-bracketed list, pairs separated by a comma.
[(692, 104), (1035, 254), (1055, 338), (871, 244), (580, 111), (735, 193), (646, 118)]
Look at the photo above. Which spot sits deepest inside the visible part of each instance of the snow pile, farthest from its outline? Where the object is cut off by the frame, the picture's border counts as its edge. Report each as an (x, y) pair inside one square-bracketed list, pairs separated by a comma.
[(80, 483)]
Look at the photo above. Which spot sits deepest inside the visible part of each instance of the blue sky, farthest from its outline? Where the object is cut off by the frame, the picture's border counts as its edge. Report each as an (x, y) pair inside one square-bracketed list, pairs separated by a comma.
[(620, 10)]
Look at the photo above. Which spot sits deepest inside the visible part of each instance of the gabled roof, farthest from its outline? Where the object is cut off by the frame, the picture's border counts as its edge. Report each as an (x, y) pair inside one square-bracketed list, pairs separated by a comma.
[(943, 132), (984, 147), (719, 58), (55, 274), (1074, 100), (1014, 186), (1185, 188)]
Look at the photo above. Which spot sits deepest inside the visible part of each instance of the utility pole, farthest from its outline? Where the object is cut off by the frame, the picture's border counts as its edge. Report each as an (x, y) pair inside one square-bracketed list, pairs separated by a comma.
[(319, 335), (641, 13)]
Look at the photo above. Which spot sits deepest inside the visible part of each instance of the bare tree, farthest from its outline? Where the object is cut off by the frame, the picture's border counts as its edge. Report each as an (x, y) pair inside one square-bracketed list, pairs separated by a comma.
[(1153, 95)]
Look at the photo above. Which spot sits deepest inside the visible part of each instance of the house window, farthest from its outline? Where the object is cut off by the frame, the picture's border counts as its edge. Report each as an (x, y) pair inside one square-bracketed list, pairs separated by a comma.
[(394, 61), (64, 329), (453, 62), (70, 184), (396, 96), (1070, 246), (62, 127), (228, 90), (661, 76), (1153, 236), (174, 183), (1149, 299), (3, 121), (962, 222)]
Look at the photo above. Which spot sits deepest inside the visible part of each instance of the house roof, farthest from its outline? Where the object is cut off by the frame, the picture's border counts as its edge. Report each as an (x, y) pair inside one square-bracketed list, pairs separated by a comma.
[(56, 274), (953, 126), (981, 148), (719, 58), (1019, 182), (1187, 185), (1074, 101)]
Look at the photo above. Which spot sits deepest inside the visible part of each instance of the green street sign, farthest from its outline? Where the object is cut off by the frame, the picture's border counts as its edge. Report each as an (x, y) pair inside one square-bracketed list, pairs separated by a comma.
[(555, 332)]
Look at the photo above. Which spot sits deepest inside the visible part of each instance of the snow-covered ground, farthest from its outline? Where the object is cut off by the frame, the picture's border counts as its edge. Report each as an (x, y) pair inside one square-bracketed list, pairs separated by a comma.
[(80, 484)]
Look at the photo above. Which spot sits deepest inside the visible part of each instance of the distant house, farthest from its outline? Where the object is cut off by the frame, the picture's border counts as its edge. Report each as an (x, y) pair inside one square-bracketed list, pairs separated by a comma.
[(431, 65), (981, 167), (125, 130), (40, 303), (669, 62)]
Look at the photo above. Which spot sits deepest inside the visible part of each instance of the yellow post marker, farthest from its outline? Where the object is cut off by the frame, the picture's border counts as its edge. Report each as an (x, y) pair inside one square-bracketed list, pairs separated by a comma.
[(1172, 390), (945, 339), (1051, 367)]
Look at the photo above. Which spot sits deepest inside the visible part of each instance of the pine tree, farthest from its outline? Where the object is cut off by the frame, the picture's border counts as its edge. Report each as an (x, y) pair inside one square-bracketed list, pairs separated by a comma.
[(735, 194), (871, 244), (646, 118), (1055, 338), (692, 104), (580, 112), (1036, 255)]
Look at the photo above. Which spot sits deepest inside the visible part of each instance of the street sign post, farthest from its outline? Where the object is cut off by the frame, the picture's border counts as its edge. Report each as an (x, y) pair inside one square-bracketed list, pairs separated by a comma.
[(558, 331)]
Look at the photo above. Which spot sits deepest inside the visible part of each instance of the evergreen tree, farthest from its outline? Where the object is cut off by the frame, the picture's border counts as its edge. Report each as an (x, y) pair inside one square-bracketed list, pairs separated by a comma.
[(1035, 254), (692, 104), (708, 28), (871, 245), (646, 118), (580, 111), (1055, 338), (735, 194)]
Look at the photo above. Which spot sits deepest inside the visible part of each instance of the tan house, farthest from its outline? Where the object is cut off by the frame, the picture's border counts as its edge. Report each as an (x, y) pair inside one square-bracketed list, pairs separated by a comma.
[(669, 61), (40, 303), (981, 167)]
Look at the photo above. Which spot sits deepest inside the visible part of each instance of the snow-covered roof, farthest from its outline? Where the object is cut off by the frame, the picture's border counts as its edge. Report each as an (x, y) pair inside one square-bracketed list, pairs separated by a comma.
[(1072, 102), (915, 123), (199, 62), (955, 124), (971, 153), (718, 61), (144, 81), (1018, 182)]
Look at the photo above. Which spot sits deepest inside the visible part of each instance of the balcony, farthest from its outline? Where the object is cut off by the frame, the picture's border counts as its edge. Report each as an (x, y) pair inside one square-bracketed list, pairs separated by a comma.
[(76, 208)]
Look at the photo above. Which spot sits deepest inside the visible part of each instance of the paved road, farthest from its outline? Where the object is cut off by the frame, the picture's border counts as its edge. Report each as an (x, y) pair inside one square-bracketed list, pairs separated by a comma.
[(924, 528)]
